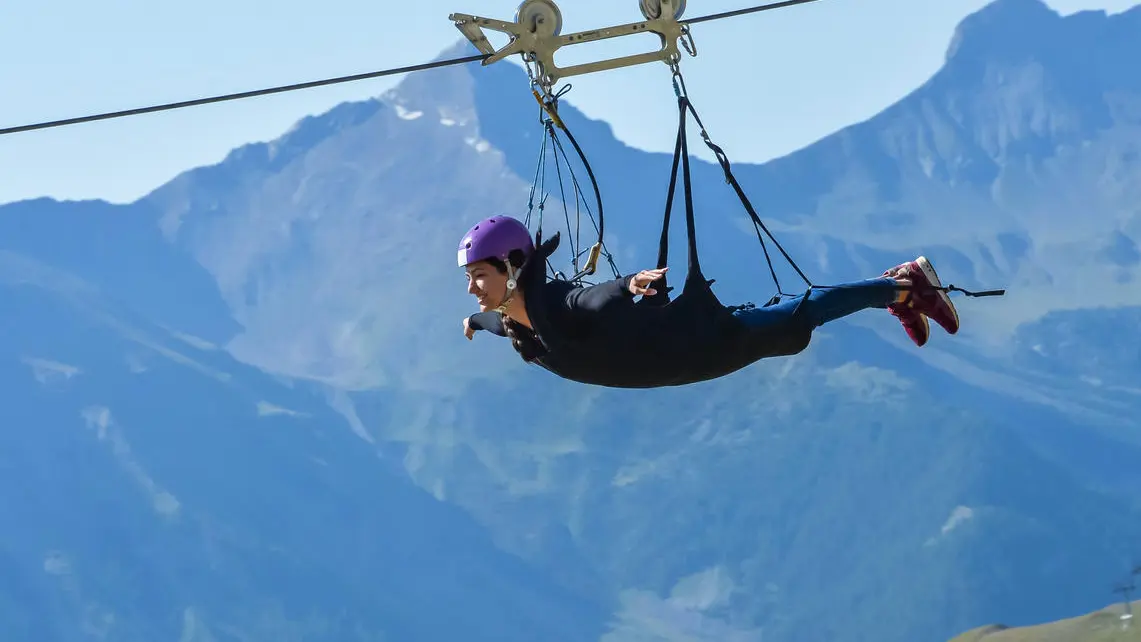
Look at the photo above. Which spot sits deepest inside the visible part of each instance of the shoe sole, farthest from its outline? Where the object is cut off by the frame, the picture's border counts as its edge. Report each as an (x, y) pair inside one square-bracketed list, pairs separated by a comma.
[(933, 279)]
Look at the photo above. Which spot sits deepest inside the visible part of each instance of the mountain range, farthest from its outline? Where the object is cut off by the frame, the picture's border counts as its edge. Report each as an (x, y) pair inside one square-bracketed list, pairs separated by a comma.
[(242, 407)]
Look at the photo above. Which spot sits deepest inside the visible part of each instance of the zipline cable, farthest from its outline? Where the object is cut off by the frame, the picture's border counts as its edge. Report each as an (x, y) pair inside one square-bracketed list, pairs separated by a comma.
[(238, 96), (741, 12), (333, 81)]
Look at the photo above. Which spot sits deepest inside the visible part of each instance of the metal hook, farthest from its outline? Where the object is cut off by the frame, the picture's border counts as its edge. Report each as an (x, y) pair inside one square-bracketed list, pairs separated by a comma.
[(687, 42)]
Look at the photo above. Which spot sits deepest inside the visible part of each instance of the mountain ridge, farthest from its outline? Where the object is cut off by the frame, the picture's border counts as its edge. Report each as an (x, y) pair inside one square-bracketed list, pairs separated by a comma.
[(162, 488), (892, 484)]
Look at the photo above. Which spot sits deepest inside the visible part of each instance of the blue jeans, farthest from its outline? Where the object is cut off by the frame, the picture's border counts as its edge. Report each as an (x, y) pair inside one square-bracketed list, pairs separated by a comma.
[(824, 305)]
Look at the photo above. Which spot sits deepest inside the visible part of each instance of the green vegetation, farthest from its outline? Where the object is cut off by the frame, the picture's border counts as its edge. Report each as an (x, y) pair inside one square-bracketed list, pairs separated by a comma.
[(1100, 626)]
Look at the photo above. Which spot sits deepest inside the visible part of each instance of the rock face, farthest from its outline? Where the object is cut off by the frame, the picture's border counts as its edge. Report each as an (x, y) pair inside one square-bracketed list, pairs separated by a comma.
[(154, 488), (242, 408)]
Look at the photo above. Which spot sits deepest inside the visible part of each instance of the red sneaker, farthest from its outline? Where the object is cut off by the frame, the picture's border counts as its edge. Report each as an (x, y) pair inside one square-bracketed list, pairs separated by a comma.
[(913, 322), (926, 299)]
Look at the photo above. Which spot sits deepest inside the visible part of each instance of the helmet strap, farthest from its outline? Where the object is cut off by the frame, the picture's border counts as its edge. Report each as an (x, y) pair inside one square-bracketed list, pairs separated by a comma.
[(511, 285)]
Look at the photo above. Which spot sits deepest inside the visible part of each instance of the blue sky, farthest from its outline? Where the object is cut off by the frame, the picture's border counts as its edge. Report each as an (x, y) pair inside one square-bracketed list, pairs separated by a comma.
[(63, 58)]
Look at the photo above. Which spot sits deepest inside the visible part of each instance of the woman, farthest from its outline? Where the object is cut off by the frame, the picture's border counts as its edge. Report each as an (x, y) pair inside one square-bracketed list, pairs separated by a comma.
[(600, 335)]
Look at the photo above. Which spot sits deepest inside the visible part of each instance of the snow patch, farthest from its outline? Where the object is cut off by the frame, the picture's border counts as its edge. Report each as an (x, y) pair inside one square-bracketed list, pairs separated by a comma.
[(46, 371), (704, 590), (343, 404), (638, 471), (266, 409), (928, 165), (98, 418), (958, 516), (642, 616), (404, 114), (480, 145), (190, 339)]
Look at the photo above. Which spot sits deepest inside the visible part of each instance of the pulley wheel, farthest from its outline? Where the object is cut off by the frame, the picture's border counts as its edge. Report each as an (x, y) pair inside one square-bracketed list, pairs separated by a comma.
[(540, 17), (652, 9)]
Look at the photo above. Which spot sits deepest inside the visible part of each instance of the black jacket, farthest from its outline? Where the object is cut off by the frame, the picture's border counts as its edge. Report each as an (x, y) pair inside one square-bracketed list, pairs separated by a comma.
[(573, 310), (599, 335)]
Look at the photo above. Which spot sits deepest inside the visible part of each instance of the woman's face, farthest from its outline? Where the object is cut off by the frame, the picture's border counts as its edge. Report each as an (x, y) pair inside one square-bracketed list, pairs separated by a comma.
[(487, 284)]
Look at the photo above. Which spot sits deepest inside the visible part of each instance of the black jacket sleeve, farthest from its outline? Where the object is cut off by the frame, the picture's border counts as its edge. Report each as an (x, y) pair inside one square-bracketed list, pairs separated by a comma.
[(595, 298), (490, 321)]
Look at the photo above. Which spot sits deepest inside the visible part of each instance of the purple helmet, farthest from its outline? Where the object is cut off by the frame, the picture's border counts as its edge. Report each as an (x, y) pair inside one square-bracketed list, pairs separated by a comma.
[(494, 237)]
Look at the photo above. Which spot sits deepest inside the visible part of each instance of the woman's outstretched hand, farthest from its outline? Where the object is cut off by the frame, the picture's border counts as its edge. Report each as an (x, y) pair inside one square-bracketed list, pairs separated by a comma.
[(468, 332), (640, 284)]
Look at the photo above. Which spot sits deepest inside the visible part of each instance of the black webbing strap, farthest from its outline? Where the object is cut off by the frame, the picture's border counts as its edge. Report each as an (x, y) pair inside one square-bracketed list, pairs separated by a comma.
[(723, 160), (681, 157)]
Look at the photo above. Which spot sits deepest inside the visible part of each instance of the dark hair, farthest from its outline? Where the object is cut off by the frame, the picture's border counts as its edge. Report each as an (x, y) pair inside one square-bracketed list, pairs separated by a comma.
[(523, 339)]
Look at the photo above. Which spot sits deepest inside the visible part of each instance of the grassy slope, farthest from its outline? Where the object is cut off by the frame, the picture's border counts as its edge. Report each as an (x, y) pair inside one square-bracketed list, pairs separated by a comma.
[(1099, 626)]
